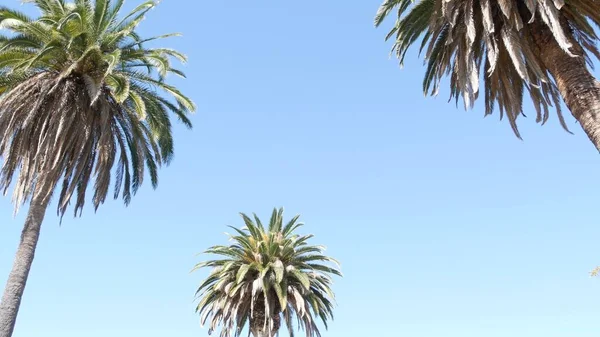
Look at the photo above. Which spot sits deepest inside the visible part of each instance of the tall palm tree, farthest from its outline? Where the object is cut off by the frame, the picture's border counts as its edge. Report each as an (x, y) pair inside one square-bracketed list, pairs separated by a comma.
[(267, 273), (542, 46), (78, 95)]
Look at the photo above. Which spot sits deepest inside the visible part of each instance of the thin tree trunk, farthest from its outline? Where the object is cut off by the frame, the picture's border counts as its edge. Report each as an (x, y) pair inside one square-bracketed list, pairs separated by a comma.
[(11, 300), (579, 89)]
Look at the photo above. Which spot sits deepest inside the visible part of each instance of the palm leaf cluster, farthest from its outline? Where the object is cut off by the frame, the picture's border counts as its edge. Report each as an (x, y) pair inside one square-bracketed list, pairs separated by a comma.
[(265, 274), (79, 93), (459, 37)]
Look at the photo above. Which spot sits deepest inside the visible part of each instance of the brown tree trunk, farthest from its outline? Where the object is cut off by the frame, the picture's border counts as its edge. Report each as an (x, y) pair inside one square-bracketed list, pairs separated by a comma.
[(579, 89), (257, 321), (11, 300)]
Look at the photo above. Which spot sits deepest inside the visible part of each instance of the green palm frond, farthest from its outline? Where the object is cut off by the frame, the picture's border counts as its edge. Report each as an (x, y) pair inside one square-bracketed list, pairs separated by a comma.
[(460, 37), (266, 274), (74, 70)]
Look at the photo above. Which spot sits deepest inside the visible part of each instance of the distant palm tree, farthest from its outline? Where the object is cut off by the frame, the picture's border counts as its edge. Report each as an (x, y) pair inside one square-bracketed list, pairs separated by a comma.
[(541, 46), (77, 96), (266, 274)]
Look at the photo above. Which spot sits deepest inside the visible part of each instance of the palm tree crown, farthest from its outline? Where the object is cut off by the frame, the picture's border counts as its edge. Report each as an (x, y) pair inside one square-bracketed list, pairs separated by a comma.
[(267, 273), (78, 94), (460, 37)]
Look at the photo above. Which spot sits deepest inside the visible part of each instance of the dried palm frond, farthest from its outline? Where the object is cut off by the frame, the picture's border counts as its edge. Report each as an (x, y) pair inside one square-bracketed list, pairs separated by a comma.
[(79, 102), (460, 37), (267, 274)]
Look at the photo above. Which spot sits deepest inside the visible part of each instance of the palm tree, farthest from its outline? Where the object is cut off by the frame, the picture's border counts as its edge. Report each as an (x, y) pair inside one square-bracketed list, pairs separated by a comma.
[(266, 274), (542, 46), (78, 95)]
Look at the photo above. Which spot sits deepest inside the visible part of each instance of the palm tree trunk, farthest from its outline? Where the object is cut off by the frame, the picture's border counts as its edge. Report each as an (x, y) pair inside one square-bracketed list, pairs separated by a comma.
[(579, 89), (260, 332), (11, 300), (257, 328), (257, 321)]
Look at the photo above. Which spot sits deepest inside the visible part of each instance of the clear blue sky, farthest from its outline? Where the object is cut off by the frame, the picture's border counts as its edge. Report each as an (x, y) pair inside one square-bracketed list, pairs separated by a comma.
[(445, 223)]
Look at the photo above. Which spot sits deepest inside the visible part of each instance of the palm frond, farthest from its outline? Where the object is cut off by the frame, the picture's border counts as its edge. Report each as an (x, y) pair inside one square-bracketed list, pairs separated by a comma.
[(267, 275), (460, 37), (73, 111)]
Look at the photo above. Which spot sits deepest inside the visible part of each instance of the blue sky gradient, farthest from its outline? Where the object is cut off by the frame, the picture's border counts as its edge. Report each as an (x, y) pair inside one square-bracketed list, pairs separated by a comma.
[(445, 223)]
